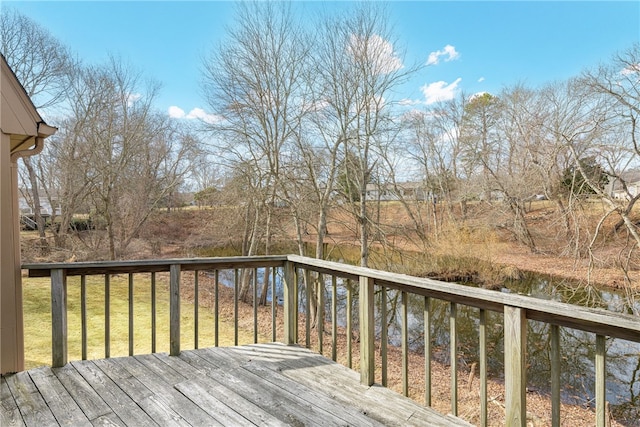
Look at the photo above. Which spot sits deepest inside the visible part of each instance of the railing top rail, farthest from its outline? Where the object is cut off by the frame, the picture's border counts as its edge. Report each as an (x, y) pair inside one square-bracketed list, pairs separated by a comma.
[(596, 320), (154, 265)]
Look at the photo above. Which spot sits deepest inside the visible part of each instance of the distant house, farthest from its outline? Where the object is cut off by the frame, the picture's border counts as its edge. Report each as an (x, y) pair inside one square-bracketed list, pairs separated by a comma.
[(22, 134), (26, 207), (401, 191), (615, 189)]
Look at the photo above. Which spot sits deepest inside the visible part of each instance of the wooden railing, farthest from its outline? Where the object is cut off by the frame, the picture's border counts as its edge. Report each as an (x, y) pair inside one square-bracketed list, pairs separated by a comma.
[(310, 286)]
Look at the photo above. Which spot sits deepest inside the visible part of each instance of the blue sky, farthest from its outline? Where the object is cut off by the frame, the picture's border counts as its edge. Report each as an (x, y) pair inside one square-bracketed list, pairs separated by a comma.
[(471, 46)]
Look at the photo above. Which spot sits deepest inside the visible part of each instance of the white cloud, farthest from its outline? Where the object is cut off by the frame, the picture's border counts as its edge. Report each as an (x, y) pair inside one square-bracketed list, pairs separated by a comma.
[(381, 50), (196, 113), (449, 52), (631, 69), (199, 113), (176, 112), (440, 91), (481, 79)]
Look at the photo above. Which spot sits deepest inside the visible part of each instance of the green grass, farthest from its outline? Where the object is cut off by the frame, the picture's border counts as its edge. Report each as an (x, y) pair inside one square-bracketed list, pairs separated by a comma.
[(37, 320)]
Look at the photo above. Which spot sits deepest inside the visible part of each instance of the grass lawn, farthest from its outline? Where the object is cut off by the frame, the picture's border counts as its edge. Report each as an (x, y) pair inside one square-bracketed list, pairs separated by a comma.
[(37, 319)]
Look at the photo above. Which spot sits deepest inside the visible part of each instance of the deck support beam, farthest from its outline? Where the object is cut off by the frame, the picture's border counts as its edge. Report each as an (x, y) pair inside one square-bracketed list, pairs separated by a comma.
[(289, 302), (58, 318), (515, 378)]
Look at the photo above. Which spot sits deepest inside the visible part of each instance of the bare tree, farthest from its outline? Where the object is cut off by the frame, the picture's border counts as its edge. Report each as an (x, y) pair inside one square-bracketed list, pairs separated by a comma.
[(42, 65), (254, 83)]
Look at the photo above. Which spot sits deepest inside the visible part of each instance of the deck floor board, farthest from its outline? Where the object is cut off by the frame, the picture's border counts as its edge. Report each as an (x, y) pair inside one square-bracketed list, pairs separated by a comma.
[(261, 384)]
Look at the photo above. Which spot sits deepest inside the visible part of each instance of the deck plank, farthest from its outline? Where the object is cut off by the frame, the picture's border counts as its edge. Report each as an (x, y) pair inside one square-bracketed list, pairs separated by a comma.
[(60, 402), (120, 403), (33, 408), (9, 412), (260, 384), (85, 396), (164, 390)]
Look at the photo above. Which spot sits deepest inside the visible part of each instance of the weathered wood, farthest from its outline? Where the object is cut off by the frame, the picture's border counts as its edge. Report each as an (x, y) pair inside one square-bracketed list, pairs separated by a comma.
[(289, 305), (453, 355), (107, 316), (83, 315), (9, 412), (131, 316), (367, 328), (216, 307), (483, 356), (122, 405), (599, 321), (384, 335), (85, 396), (405, 343), (427, 351), (59, 317), (554, 333), (33, 407), (349, 329), (334, 318), (174, 310), (261, 384), (153, 313), (307, 308), (515, 342), (196, 307), (58, 399), (601, 381)]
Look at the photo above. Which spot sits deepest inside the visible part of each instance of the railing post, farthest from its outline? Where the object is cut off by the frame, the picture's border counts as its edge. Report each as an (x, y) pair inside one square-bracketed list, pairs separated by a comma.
[(515, 344), (367, 342), (58, 317), (289, 304), (174, 310)]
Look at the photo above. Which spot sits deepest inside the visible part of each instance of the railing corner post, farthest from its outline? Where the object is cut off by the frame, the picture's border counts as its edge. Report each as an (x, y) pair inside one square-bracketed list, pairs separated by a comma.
[(515, 346), (289, 304), (174, 310), (58, 317), (367, 337)]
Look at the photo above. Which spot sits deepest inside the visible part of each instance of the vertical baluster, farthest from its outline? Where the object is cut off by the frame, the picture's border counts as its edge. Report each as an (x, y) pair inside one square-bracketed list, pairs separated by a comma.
[(384, 334), (405, 344), (216, 307), (307, 308), (59, 317), (196, 308), (83, 314), (274, 303), (320, 318), (453, 340), (555, 375), (153, 313), (174, 310), (296, 296), (601, 381), (235, 307), (334, 318), (367, 335), (255, 305), (483, 367), (349, 325), (131, 317), (131, 314), (427, 351), (107, 316)]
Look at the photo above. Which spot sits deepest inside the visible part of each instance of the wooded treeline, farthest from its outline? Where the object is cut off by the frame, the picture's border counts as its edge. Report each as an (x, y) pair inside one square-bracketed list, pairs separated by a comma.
[(309, 122)]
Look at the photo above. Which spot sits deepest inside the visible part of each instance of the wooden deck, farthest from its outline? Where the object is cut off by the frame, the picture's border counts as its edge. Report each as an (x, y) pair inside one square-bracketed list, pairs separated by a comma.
[(262, 384)]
